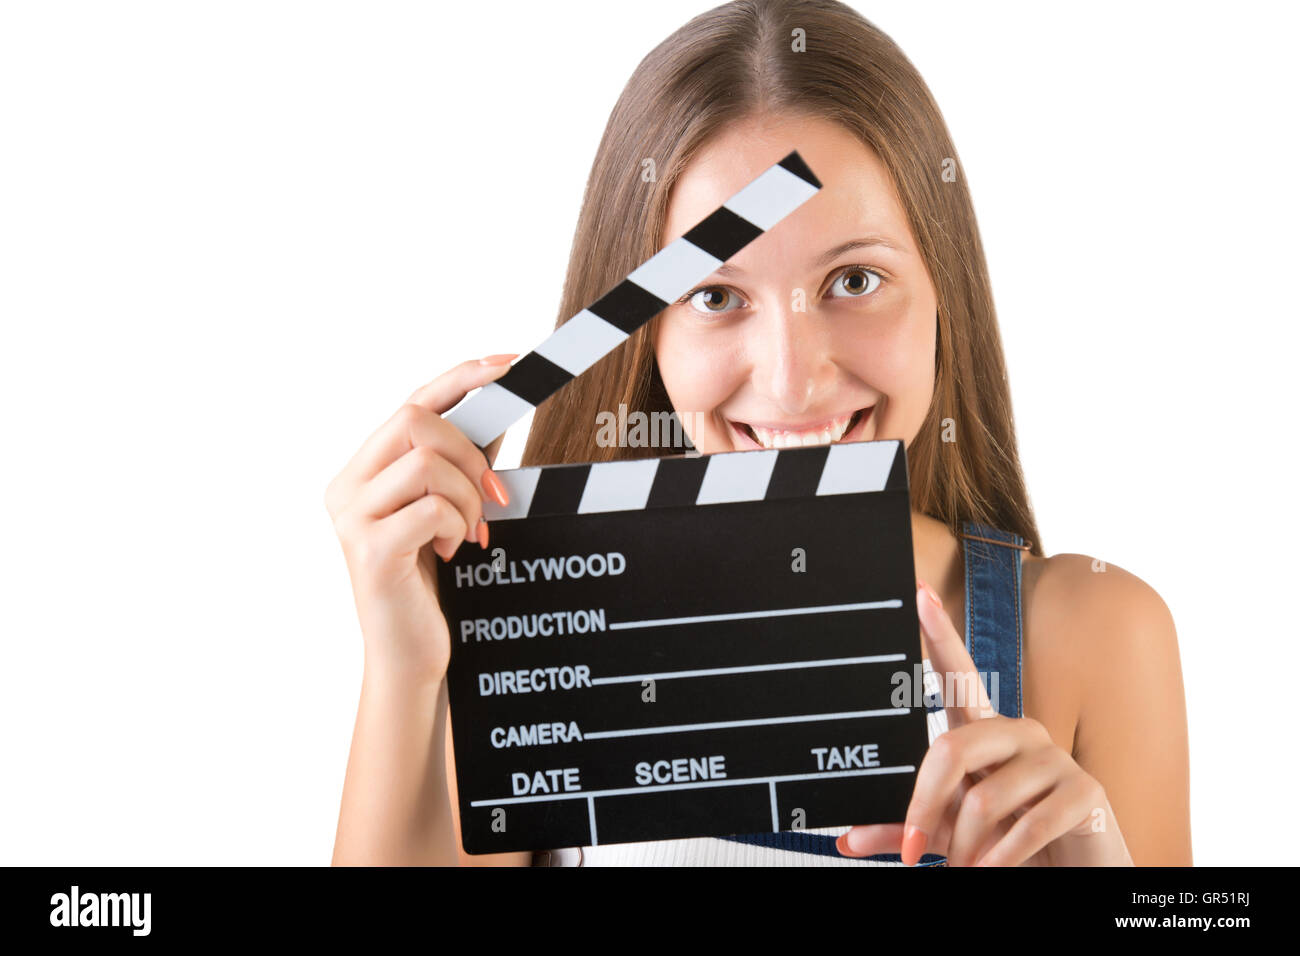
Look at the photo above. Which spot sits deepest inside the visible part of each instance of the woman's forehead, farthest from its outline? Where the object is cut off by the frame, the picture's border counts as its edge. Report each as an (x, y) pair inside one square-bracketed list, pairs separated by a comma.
[(857, 195)]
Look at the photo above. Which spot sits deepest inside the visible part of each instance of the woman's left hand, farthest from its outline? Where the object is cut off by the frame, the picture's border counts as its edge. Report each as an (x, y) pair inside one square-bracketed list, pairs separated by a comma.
[(992, 790)]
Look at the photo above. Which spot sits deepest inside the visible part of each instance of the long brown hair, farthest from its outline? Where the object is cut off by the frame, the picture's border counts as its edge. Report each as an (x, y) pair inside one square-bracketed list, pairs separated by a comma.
[(730, 63)]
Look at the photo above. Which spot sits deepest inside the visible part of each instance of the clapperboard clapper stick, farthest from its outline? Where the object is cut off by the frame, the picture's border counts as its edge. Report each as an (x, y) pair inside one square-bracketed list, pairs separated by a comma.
[(662, 279), (677, 647)]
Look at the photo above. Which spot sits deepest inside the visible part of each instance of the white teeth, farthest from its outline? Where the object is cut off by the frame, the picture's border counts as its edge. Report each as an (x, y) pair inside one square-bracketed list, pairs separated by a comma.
[(770, 438)]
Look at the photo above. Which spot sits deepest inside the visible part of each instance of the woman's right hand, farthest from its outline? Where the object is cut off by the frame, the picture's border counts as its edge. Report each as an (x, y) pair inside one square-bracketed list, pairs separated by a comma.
[(416, 486)]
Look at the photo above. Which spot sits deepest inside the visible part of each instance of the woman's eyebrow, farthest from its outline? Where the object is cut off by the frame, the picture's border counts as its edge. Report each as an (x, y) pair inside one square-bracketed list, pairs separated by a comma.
[(829, 256)]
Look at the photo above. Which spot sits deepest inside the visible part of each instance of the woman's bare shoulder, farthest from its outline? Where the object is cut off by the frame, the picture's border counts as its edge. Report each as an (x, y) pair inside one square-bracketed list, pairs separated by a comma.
[(1105, 639), (1087, 623), (1083, 595)]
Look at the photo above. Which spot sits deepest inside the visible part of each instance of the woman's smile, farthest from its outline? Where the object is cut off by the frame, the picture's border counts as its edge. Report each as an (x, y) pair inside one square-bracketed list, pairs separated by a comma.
[(851, 426)]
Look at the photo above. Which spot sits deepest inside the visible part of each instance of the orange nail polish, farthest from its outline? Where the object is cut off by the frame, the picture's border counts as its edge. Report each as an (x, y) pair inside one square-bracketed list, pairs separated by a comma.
[(913, 845), (931, 595), (503, 358), (482, 534), (492, 485)]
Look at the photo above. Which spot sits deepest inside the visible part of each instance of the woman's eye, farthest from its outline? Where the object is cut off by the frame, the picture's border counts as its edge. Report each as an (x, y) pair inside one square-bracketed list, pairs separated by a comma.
[(856, 282), (713, 299)]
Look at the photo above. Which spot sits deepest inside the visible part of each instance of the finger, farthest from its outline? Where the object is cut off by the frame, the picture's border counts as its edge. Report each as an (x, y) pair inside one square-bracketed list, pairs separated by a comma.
[(870, 839), (994, 838), (421, 471), (430, 519), (1020, 782), (1064, 809), (414, 426), (874, 838), (951, 757), (915, 848), (965, 698), (449, 388), (404, 430)]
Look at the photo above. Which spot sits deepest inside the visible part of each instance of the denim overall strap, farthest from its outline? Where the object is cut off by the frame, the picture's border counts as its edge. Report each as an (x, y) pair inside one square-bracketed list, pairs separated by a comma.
[(993, 612)]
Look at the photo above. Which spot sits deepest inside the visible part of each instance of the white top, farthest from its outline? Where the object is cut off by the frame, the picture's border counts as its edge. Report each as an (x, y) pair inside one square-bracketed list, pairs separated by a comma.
[(714, 851)]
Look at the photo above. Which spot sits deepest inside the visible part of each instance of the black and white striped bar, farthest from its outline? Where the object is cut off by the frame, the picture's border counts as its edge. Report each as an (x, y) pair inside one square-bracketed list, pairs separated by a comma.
[(662, 279), (849, 468), (676, 647)]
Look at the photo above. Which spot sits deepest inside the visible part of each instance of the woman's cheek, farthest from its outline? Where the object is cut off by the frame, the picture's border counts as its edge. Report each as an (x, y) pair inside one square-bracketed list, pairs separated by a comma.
[(889, 349), (895, 357), (689, 369)]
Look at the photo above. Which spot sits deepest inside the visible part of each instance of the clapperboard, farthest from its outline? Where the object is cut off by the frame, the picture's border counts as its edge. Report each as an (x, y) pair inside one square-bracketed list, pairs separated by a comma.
[(681, 647), (678, 647)]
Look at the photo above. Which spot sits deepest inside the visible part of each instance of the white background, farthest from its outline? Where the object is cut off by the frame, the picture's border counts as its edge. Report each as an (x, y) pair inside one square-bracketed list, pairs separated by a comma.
[(235, 236)]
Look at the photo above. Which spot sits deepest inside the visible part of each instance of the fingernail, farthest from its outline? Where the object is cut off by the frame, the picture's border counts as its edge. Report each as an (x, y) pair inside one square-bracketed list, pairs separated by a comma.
[(853, 841), (840, 845), (931, 595), (492, 485), (502, 359), (482, 533), (913, 844)]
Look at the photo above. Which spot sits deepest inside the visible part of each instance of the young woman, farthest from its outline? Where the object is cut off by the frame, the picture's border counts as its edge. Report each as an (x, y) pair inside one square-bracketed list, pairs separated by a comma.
[(867, 314)]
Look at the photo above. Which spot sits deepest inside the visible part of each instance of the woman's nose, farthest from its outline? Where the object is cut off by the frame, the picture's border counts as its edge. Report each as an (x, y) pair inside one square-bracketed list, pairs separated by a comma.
[(791, 354)]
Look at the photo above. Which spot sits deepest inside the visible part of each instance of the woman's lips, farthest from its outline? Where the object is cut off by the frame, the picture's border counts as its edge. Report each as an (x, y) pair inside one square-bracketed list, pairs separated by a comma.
[(856, 432)]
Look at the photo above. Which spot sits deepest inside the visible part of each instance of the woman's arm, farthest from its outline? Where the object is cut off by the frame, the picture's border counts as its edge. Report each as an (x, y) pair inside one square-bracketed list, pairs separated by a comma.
[(415, 489), (1132, 728), (395, 808), (522, 858), (399, 798)]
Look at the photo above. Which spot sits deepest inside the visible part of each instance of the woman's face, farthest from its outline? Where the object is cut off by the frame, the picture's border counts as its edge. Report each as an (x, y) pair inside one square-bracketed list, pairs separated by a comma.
[(822, 329)]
